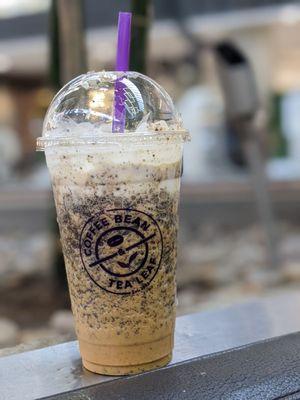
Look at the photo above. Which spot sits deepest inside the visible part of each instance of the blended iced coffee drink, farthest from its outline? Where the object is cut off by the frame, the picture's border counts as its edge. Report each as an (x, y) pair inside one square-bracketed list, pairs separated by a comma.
[(116, 198)]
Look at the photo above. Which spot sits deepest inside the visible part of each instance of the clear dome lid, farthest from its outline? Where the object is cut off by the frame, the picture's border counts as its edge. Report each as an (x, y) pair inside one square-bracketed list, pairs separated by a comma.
[(110, 106)]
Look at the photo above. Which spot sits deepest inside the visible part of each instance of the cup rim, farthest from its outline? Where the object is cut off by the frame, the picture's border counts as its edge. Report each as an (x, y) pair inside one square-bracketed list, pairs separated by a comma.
[(132, 138)]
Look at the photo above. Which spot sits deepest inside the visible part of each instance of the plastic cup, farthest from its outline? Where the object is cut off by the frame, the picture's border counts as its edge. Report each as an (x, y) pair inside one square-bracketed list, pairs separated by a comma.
[(116, 197)]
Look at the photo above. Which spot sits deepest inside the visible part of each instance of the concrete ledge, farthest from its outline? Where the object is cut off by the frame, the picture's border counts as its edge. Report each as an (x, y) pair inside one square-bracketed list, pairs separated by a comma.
[(266, 370), (242, 352)]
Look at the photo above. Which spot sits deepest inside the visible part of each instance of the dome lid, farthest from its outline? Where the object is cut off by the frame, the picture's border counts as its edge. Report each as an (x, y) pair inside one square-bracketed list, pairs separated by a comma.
[(104, 106)]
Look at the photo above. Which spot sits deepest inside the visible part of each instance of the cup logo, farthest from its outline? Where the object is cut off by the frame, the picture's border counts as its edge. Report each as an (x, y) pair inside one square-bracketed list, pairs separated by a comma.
[(121, 250)]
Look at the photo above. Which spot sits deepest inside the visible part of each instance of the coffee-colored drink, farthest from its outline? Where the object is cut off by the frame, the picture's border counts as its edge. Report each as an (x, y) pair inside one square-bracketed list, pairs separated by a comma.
[(117, 209)]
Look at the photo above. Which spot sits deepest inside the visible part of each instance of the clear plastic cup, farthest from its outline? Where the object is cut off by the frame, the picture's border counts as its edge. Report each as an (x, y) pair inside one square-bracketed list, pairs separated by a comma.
[(116, 196)]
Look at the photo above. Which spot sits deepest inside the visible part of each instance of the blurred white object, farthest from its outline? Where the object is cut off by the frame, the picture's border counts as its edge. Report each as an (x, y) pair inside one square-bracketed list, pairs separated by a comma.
[(9, 332), (288, 168), (290, 123), (62, 321), (237, 80), (36, 250), (202, 112), (38, 179), (10, 151), (283, 169), (240, 90)]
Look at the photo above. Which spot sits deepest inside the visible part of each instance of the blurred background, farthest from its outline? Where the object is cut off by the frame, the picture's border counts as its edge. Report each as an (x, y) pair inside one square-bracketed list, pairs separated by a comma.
[(233, 68)]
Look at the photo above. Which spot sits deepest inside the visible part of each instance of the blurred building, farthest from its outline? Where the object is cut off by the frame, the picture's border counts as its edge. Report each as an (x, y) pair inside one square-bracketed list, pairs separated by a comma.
[(266, 30)]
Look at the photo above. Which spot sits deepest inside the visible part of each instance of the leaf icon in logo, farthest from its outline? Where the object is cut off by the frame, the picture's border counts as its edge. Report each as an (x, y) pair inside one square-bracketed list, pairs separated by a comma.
[(133, 257), (123, 265)]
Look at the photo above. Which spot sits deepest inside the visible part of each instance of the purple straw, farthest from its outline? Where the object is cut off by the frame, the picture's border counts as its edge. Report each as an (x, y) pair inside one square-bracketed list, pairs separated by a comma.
[(122, 64), (123, 46)]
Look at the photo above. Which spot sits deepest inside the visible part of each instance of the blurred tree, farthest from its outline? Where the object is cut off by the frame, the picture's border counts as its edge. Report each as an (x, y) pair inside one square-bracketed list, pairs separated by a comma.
[(67, 46), (141, 19), (72, 53), (54, 71), (67, 60)]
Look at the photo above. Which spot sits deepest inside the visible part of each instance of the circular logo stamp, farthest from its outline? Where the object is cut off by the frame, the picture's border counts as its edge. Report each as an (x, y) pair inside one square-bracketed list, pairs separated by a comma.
[(121, 250)]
